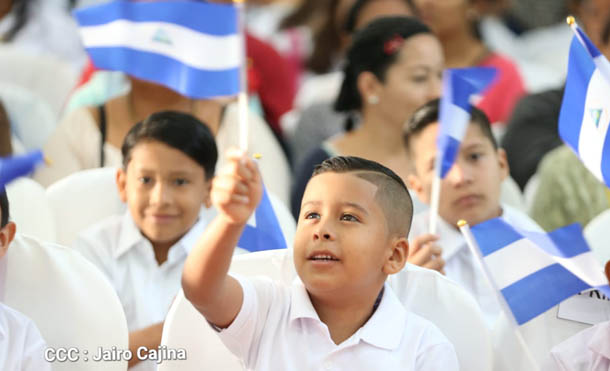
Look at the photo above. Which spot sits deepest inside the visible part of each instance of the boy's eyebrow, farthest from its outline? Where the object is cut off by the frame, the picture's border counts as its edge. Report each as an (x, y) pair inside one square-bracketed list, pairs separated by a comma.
[(350, 204)]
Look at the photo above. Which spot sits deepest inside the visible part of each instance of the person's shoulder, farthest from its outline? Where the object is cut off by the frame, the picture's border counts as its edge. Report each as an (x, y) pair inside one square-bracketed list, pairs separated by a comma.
[(102, 235), (424, 330)]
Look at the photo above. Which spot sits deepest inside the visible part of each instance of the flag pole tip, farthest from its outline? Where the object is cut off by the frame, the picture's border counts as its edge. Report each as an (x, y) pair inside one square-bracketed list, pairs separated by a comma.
[(461, 223), (570, 20), (257, 156)]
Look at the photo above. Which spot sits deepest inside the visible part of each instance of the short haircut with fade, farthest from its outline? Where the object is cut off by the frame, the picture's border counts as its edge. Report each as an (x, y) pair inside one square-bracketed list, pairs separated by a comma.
[(429, 114), (178, 130), (392, 194), (3, 208)]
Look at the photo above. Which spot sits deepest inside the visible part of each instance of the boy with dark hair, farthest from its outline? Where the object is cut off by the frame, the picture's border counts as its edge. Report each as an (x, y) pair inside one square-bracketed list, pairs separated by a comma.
[(21, 345), (351, 234), (168, 163), (470, 191)]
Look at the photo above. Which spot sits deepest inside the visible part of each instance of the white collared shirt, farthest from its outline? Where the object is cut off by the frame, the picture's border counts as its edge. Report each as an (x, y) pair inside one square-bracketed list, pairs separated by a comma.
[(461, 265), (277, 328), (589, 350), (21, 345)]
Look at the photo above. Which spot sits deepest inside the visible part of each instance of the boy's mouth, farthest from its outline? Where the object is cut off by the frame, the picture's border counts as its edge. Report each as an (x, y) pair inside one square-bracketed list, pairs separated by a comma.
[(322, 256)]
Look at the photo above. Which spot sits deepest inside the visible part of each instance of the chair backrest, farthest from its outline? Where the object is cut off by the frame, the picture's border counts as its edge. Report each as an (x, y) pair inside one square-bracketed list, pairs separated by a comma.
[(30, 209), (424, 292), (81, 200), (68, 298), (46, 76), (596, 234)]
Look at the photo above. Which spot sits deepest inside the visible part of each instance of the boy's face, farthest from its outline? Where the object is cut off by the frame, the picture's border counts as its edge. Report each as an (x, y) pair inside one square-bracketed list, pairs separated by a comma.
[(471, 189), (341, 219), (164, 190)]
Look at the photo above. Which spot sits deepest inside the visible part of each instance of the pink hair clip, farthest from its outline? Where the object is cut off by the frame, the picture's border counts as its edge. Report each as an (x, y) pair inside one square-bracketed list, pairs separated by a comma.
[(392, 45)]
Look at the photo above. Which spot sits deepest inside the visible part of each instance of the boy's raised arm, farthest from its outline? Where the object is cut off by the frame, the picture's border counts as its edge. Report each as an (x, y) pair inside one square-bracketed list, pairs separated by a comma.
[(236, 191)]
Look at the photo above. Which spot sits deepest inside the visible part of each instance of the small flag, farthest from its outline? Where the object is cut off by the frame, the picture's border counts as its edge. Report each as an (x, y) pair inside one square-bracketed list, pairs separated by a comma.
[(585, 111), (192, 47), (14, 167), (266, 234), (459, 85), (535, 271)]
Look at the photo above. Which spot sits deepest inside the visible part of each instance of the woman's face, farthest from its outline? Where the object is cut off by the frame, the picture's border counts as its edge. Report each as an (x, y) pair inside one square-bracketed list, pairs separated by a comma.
[(413, 80)]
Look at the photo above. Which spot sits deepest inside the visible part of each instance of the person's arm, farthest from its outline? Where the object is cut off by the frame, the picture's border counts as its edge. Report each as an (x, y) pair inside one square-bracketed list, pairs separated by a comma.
[(424, 251), (235, 193), (148, 337)]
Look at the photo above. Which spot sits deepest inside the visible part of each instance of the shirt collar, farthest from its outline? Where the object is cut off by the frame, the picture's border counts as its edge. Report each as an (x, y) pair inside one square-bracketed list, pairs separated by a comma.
[(599, 342), (384, 329), (130, 235)]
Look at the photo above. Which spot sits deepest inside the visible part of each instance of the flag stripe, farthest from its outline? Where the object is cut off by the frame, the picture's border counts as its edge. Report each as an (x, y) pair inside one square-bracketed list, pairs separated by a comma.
[(587, 43), (542, 290), (191, 82), (493, 235), (452, 147), (185, 45), (213, 19)]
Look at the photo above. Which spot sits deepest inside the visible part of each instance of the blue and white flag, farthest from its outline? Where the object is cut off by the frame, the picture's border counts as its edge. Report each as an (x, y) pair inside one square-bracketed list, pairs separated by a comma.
[(585, 111), (14, 167), (266, 233), (459, 85), (192, 47), (535, 271)]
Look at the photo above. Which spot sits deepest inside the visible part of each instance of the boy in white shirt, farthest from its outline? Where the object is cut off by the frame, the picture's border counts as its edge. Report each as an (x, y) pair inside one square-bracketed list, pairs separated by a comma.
[(21, 345), (470, 191), (351, 234), (168, 163)]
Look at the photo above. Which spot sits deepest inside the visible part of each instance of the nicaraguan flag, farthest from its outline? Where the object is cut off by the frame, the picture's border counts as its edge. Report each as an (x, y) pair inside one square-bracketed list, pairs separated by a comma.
[(585, 110), (459, 85), (14, 167), (535, 271), (266, 233), (192, 47)]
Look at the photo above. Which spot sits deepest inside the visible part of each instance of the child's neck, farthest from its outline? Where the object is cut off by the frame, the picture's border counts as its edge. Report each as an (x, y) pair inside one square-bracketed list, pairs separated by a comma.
[(344, 316)]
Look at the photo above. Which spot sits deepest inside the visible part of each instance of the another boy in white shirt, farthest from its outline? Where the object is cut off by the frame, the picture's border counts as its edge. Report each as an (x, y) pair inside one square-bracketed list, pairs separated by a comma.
[(168, 163), (350, 236), (21, 345), (470, 191)]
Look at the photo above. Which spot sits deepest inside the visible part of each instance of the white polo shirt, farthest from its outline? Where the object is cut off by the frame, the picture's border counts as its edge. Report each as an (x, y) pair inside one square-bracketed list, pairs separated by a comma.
[(277, 328), (21, 345), (461, 265)]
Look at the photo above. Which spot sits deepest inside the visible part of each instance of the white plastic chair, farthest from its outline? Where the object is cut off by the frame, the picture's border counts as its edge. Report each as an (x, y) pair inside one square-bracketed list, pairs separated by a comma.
[(511, 195), (597, 235), (32, 119), (422, 291), (70, 300), (83, 199), (30, 209), (46, 76)]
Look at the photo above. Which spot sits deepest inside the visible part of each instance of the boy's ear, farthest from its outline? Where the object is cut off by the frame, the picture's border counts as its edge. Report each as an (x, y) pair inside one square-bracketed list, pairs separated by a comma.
[(7, 234), (608, 270), (503, 163), (398, 256), (121, 183), (207, 202)]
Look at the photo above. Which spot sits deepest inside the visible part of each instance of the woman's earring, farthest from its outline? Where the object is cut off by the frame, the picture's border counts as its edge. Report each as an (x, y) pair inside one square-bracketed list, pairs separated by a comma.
[(373, 99)]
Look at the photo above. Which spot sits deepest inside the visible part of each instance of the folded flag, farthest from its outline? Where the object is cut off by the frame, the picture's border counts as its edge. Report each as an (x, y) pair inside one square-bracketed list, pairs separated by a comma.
[(459, 85), (266, 233), (585, 110), (17, 166), (192, 47), (535, 271)]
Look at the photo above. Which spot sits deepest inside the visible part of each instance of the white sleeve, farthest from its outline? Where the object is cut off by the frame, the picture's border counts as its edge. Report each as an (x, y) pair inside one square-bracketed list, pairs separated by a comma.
[(33, 351), (437, 353), (243, 336)]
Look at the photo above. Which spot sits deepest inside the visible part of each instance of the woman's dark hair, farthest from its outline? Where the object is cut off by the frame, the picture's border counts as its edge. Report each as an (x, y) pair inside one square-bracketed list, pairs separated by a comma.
[(178, 130), (374, 49), (21, 9), (327, 41)]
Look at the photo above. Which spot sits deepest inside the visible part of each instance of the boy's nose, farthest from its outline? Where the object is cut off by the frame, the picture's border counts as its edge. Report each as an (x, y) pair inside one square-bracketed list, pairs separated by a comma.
[(160, 194), (323, 233), (459, 175)]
